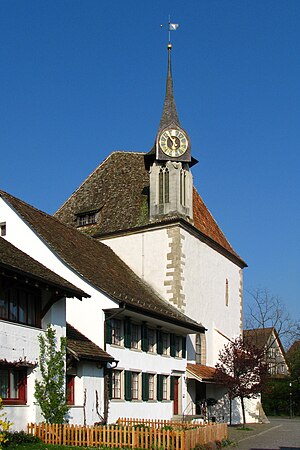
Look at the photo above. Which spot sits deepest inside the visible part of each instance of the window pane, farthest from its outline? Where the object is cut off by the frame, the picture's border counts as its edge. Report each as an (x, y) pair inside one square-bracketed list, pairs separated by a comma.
[(165, 387), (14, 384), (4, 391), (134, 336), (22, 307), (3, 307), (151, 387), (135, 385)]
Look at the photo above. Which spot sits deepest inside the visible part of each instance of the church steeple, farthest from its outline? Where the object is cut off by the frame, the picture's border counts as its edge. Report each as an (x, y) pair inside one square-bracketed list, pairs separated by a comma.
[(171, 183), (169, 114)]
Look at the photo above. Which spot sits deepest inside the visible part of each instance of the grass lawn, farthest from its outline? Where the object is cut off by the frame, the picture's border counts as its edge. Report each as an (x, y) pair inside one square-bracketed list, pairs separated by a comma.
[(46, 447)]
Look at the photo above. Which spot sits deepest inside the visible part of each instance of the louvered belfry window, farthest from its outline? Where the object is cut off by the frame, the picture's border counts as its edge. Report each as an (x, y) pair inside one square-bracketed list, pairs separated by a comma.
[(163, 185)]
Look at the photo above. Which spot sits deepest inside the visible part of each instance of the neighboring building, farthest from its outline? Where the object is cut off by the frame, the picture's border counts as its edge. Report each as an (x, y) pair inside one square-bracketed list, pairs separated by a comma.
[(268, 339), (31, 297)]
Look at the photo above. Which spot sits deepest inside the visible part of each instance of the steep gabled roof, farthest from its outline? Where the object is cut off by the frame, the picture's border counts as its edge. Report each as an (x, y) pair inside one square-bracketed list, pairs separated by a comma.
[(258, 336), (83, 348), (13, 260), (97, 264), (119, 189)]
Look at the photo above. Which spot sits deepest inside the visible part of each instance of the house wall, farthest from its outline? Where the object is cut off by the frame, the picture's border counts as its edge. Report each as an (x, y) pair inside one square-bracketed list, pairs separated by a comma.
[(191, 276), (139, 361), (89, 386), (20, 343)]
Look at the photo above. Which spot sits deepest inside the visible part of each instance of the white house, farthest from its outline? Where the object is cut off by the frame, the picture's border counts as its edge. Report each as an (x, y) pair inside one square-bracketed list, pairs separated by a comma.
[(145, 335), (31, 297)]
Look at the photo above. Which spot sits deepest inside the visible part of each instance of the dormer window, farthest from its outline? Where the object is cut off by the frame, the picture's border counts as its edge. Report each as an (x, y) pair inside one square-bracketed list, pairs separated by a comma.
[(87, 218)]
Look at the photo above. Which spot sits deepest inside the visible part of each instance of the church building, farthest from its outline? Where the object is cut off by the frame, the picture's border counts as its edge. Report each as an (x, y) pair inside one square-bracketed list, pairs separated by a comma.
[(164, 288)]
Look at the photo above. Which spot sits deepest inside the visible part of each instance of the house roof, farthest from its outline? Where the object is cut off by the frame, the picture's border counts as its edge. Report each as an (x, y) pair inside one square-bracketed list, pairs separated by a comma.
[(201, 372), (120, 184), (15, 261), (98, 264), (83, 348), (258, 336)]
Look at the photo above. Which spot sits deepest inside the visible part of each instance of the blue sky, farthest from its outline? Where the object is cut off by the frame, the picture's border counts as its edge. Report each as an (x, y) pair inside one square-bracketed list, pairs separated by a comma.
[(80, 79)]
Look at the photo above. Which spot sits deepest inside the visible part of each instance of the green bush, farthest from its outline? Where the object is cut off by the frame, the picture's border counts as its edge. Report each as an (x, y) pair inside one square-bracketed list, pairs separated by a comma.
[(19, 437)]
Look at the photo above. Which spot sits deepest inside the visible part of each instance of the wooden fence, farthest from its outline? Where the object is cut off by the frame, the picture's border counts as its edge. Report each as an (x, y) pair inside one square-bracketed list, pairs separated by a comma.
[(128, 436), (158, 423)]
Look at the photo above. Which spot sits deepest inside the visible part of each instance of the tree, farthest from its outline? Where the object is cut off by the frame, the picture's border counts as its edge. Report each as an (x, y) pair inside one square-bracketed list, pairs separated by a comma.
[(242, 370), (265, 310), (50, 391)]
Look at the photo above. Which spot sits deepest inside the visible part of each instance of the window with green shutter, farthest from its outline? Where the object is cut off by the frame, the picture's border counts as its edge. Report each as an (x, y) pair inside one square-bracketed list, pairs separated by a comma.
[(127, 332), (109, 376), (144, 331), (159, 394), (172, 344), (172, 383), (108, 332), (183, 350), (128, 385), (159, 343), (145, 387)]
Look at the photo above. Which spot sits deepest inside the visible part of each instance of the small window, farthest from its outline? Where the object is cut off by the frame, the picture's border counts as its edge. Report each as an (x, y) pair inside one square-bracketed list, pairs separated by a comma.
[(116, 332), (165, 344), (226, 292), (3, 229), (135, 385), (116, 384), (177, 346), (13, 385), (165, 387), (87, 218), (151, 340), (151, 379), (70, 385), (135, 336)]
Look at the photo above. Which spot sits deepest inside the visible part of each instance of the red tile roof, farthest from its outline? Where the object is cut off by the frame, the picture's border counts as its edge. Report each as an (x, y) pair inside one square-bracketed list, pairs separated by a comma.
[(202, 372)]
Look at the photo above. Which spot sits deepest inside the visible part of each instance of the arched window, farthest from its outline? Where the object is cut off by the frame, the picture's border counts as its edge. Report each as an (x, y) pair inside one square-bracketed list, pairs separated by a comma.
[(183, 187), (163, 185)]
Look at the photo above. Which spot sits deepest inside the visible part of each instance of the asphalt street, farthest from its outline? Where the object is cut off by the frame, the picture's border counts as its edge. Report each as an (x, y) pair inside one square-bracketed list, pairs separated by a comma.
[(279, 434)]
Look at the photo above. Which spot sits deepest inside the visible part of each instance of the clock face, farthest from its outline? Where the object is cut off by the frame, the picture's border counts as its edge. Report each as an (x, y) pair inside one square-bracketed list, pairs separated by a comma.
[(173, 142)]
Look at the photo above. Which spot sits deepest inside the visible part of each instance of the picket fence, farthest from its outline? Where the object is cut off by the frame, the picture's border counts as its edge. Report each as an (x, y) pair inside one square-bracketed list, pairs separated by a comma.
[(118, 436)]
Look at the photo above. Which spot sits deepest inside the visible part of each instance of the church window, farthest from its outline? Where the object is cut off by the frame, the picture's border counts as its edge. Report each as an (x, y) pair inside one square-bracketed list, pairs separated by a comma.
[(227, 292), (12, 385), (183, 187), (163, 185), (3, 229), (200, 349)]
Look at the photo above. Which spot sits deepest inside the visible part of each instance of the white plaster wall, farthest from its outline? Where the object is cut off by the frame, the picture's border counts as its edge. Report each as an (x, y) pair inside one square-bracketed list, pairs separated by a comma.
[(20, 342), (139, 361), (204, 280), (89, 379), (146, 254)]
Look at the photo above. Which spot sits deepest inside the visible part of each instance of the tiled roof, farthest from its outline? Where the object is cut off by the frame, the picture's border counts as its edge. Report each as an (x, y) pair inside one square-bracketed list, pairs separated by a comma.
[(119, 188), (258, 336), (14, 260), (97, 264), (83, 348), (202, 372)]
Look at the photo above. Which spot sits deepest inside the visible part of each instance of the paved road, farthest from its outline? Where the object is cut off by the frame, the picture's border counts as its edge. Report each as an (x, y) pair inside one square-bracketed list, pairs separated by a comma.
[(283, 434)]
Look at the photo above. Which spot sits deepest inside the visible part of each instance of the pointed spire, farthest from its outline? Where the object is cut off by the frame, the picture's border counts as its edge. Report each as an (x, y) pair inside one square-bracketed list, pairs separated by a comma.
[(169, 114)]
